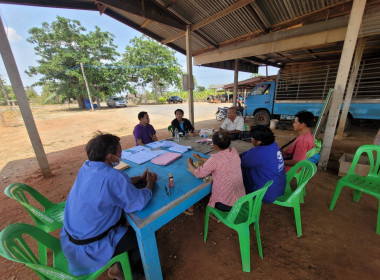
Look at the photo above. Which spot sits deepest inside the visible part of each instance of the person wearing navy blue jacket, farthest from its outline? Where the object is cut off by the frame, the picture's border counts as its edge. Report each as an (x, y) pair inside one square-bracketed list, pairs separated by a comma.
[(262, 163)]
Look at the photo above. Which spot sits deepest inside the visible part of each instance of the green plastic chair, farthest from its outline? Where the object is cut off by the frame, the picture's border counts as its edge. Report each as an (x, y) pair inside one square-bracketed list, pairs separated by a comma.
[(302, 173), (170, 129), (48, 220), (369, 184), (246, 211), (14, 247)]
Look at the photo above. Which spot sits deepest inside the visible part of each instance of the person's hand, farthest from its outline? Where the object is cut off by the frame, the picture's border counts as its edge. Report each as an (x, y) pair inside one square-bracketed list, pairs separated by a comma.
[(196, 156), (195, 133), (189, 161), (151, 179), (144, 175)]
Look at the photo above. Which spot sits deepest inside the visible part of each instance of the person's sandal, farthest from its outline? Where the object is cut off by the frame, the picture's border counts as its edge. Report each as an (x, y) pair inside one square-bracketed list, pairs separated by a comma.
[(189, 213)]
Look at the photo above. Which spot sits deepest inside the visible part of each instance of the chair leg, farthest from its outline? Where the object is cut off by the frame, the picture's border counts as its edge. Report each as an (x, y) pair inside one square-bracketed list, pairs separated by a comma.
[(42, 253), (378, 220), (297, 217), (207, 217), (301, 197), (336, 195), (126, 267), (258, 238), (357, 195), (245, 250)]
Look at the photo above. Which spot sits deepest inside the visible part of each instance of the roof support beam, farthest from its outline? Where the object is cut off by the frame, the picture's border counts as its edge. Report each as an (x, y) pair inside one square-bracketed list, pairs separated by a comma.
[(353, 27), (130, 23), (190, 83), (146, 9), (236, 81), (237, 5), (303, 37), (26, 112), (262, 61), (350, 87)]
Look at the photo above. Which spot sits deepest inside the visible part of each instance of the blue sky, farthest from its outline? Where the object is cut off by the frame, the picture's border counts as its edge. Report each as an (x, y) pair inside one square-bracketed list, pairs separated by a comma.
[(19, 19)]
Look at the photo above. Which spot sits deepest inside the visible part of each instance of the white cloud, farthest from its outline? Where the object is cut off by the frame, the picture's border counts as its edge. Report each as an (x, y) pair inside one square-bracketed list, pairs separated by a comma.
[(12, 35)]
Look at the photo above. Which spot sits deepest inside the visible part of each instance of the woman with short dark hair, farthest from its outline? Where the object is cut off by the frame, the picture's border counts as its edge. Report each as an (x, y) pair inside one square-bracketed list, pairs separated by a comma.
[(262, 163), (181, 124), (224, 166)]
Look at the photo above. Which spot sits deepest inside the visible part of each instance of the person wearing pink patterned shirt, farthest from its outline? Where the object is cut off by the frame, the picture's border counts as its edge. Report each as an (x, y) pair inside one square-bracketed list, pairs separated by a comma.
[(225, 168), (304, 142)]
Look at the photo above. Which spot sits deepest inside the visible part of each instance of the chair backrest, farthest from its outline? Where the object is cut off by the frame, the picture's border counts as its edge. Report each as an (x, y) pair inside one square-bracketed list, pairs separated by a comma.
[(15, 247), (170, 129), (17, 191), (302, 173), (254, 200), (374, 162)]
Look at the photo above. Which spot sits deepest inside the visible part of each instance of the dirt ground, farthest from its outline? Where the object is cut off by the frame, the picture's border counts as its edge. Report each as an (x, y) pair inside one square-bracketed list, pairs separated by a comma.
[(339, 244)]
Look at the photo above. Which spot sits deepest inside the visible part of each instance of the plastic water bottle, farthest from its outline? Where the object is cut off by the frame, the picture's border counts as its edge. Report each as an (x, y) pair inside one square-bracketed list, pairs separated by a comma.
[(176, 135)]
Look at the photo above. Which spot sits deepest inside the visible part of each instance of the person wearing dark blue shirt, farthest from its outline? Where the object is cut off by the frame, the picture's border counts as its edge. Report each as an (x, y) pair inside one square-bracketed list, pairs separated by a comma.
[(262, 163), (94, 228)]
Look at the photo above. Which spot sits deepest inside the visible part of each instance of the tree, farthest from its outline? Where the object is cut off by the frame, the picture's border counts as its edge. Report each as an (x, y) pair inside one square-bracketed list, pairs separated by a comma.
[(30, 92), (62, 46), (152, 63)]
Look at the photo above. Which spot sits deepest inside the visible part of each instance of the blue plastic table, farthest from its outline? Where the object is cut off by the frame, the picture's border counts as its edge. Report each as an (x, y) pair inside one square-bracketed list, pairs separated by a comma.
[(162, 208)]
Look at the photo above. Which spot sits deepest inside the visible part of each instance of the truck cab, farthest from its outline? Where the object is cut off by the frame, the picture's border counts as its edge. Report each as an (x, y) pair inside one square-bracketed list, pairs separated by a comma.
[(259, 102)]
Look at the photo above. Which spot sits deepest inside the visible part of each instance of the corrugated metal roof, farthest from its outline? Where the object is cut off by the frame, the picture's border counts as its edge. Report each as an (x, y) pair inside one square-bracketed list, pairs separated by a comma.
[(221, 23)]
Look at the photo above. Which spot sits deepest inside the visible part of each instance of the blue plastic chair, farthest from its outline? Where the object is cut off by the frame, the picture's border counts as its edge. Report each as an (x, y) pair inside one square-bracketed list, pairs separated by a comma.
[(88, 104)]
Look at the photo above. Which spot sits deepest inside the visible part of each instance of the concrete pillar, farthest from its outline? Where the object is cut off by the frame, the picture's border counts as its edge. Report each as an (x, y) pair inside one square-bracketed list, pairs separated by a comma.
[(352, 32)]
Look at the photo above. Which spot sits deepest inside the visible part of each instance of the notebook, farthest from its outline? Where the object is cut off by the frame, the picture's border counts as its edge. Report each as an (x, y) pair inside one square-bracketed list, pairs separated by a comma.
[(166, 158), (122, 166)]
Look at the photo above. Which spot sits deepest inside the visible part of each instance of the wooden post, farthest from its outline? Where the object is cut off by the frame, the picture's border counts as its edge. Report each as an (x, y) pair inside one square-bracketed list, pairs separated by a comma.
[(236, 80), (189, 62), (350, 87), (341, 78), (26, 112), (88, 90)]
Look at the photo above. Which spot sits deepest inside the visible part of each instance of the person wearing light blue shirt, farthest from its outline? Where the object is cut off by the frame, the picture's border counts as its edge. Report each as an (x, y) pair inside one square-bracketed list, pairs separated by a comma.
[(94, 228)]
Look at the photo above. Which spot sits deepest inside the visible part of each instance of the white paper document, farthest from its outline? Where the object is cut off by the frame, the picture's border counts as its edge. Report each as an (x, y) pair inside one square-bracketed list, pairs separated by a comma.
[(154, 153), (125, 154), (179, 148), (137, 149), (140, 157), (155, 145), (167, 144)]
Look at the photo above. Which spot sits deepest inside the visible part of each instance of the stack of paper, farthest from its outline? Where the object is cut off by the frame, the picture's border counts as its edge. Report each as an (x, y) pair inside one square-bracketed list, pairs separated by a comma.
[(204, 140), (179, 148), (122, 166), (155, 145), (166, 158), (140, 154), (139, 157)]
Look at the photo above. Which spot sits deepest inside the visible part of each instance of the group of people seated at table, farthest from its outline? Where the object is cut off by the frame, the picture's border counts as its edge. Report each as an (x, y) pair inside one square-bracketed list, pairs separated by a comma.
[(145, 133), (94, 228)]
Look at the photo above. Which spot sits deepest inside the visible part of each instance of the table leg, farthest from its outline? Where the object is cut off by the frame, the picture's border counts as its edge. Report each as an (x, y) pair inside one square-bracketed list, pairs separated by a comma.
[(149, 256)]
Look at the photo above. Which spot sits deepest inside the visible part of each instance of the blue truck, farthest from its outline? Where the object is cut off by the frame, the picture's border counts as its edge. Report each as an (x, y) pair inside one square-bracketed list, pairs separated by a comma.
[(306, 89)]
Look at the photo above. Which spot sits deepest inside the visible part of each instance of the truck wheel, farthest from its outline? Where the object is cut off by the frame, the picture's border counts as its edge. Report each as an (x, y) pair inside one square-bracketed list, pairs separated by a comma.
[(262, 117)]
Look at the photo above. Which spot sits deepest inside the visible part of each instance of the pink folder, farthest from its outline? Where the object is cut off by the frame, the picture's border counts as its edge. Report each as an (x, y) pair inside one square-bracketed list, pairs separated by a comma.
[(166, 158)]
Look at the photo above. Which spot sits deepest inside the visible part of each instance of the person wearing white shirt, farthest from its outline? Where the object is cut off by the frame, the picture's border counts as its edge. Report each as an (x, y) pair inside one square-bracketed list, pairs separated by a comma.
[(234, 123)]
